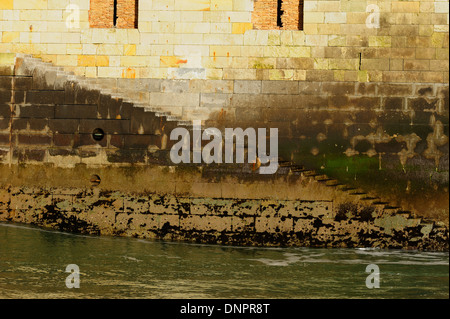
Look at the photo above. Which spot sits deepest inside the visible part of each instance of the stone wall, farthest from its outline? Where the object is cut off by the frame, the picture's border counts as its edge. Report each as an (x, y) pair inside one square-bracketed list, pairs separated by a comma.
[(391, 140), (365, 107), (216, 39), (321, 216)]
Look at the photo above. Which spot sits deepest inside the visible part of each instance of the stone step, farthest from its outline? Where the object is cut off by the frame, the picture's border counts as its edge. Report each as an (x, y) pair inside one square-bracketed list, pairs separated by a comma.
[(333, 183), (31, 65), (348, 189), (358, 193), (322, 178), (380, 203), (370, 199), (298, 168), (311, 174)]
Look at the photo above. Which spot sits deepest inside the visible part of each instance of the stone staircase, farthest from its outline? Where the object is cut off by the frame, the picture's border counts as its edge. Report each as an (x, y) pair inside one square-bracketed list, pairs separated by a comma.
[(381, 207), (46, 76), (56, 78)]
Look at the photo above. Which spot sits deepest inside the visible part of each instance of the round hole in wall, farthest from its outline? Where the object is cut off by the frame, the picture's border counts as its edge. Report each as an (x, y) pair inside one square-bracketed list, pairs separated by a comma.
[(95, 180), (98, 134)]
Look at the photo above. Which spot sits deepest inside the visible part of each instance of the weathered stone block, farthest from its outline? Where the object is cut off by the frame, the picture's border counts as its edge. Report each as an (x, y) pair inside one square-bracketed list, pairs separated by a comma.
[(64, 125), (34, 139), (75, 111), (108, 126), (36, 111), (45, 97), (215, 100)]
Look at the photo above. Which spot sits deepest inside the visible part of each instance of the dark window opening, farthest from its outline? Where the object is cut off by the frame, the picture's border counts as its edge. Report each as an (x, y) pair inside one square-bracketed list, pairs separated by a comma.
[(136, 14), (300, 14), (279, 13), (115, 14)]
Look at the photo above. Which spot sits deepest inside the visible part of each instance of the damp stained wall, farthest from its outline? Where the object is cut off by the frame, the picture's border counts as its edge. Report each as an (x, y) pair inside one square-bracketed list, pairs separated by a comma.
[(368, 107)]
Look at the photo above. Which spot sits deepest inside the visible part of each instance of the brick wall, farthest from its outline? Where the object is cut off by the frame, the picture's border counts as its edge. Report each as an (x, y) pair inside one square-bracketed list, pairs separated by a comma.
[(265, 15), (292, 17), (101, 14), (127, 16)]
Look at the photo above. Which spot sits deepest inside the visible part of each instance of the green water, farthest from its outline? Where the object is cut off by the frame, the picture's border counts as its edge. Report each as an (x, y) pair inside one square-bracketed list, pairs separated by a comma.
[(33, 264)]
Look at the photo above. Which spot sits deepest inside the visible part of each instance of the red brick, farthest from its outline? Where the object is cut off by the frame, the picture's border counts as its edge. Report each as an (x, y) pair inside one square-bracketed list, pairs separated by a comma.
[(264, 16), (101, 14)]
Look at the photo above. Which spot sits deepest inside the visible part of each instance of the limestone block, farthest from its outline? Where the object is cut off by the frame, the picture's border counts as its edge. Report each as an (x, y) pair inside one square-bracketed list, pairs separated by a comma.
[(10, 37), (441, 7), (37, 15), (405, 6), (314, 17), (7, 58), (276, 51), (134, 61), (221, 5), (110, 49), (216, 51), (162, 50), (241, 27), (253, 51), (169, 16), (310, 6), (6, 5), (163, 5), (335, 17), (26, 37), (147, 16), (256, 37), (67, 60), (187, 39), (192, 27), (193, 5), (281, 74), (239, 16), (356, 17), (191, 50), (380, 41), (163, 27), (239, 74), (328, 28), (243, 5), (175, 99), (328, 6), (109, 72), (316, 40), (149, 38), (145, 26), (335, 40), (191, 16), (30, 4), (442, 53), (223, 39), (145, 5)]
